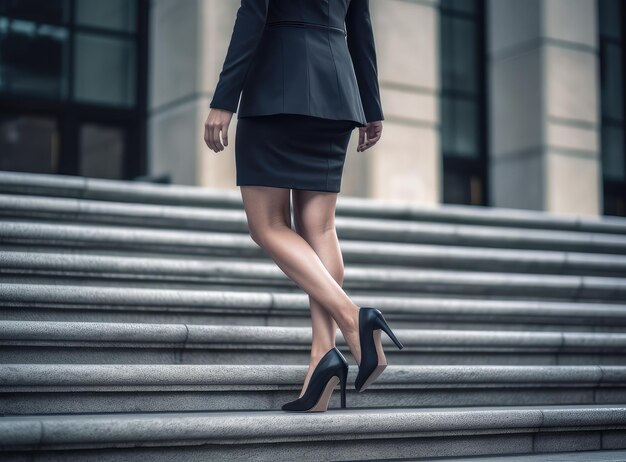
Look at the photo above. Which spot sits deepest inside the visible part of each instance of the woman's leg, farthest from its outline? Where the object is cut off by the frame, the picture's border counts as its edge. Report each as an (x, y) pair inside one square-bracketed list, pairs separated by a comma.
[(269, 222), (314, 217)]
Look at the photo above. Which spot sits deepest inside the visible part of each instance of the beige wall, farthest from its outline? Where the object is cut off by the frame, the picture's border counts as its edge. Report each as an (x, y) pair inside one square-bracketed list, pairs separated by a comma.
[(187, 47), (405, 162)]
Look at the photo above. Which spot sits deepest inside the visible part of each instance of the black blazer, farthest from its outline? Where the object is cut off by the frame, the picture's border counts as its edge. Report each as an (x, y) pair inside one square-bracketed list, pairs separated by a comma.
[(294, 56)]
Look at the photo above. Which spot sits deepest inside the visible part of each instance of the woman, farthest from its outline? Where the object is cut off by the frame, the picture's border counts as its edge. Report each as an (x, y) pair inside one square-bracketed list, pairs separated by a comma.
[(305, 84)]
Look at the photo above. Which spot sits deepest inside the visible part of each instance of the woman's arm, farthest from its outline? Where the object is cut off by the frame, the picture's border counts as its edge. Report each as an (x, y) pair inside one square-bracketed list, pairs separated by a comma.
[(244, 40), (362, 48)]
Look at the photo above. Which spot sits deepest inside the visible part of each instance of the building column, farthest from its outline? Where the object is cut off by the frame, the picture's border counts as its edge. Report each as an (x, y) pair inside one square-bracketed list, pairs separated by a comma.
[(405, 163), (544, 105), (188, 42)]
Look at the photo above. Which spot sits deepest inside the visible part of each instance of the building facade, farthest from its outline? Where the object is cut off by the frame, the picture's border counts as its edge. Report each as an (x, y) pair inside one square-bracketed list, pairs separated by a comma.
[(507, 103)]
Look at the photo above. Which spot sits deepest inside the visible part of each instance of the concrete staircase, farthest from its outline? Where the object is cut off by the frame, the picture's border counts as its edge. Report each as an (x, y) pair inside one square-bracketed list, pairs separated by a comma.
[(140, 321)]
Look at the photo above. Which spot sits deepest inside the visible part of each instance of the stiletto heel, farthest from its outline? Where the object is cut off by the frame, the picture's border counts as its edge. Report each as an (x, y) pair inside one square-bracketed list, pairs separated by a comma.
[(343, 379), (384, 326), (373, 360), (331, 369)]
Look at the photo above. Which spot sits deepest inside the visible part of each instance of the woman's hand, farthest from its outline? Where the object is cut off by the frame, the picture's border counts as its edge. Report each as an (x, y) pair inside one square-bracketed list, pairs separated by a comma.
[(373, 130), (217, 121)]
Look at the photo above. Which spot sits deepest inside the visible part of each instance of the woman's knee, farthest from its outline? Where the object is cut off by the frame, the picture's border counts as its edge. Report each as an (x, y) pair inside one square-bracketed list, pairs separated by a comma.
[(254, 236), (262, 233), (258, 234), (312, 224), (266, 209), (318, 236)]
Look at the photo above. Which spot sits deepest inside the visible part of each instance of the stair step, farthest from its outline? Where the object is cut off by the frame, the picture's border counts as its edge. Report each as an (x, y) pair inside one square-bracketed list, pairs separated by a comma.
[(57, 302), (187, 273), (36, 184), (30, 342), (340, 434), (120, 240), (73, 212), (606, 455), (70, 388)]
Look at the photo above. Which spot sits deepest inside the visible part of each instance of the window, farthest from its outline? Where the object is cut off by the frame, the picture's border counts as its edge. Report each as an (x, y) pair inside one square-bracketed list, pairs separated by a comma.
[(29, 143), (34, 44), (80, 66), (611, 17), (462, 102)]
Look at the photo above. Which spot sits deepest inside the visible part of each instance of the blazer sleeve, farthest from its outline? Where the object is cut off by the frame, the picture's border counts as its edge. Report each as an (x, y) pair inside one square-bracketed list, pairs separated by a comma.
[(362, 49), (247, 31)]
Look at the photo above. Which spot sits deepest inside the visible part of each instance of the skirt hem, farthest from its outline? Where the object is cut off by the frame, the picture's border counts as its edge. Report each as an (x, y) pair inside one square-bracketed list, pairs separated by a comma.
[(300, 188)]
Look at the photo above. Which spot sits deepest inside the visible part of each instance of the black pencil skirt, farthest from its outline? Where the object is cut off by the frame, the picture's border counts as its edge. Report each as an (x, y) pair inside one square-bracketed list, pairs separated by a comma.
[(291, 151)]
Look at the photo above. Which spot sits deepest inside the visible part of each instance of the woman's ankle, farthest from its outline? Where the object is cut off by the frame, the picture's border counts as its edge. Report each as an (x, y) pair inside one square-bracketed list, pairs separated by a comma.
[(350, 323), (350, 332), (318, 352)]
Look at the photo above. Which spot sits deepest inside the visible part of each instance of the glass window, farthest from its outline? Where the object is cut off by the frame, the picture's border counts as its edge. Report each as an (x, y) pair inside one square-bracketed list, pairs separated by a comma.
[(461, 6), (456, 187), (102, 151), (612, 82), (42, 11), (458, 39), (460, 186), (611, 17), (104, 70), (613, 152), (108, 14), (447, 128), (460, 131), (33, 58), (80, 66), (462, 105), (29, 144)]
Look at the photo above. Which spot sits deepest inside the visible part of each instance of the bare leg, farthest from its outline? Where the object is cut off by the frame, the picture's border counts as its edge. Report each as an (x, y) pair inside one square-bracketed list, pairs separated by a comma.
[(269, 222), (314, 216)]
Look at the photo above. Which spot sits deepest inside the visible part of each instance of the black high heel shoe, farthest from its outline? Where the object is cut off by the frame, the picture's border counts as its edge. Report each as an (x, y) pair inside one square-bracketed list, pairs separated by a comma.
[(373, 361), (331, 369)]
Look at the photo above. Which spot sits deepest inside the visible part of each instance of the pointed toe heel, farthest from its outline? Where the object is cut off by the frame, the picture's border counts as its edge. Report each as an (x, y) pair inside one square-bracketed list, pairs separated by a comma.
[(331, 370), (373, 360)]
